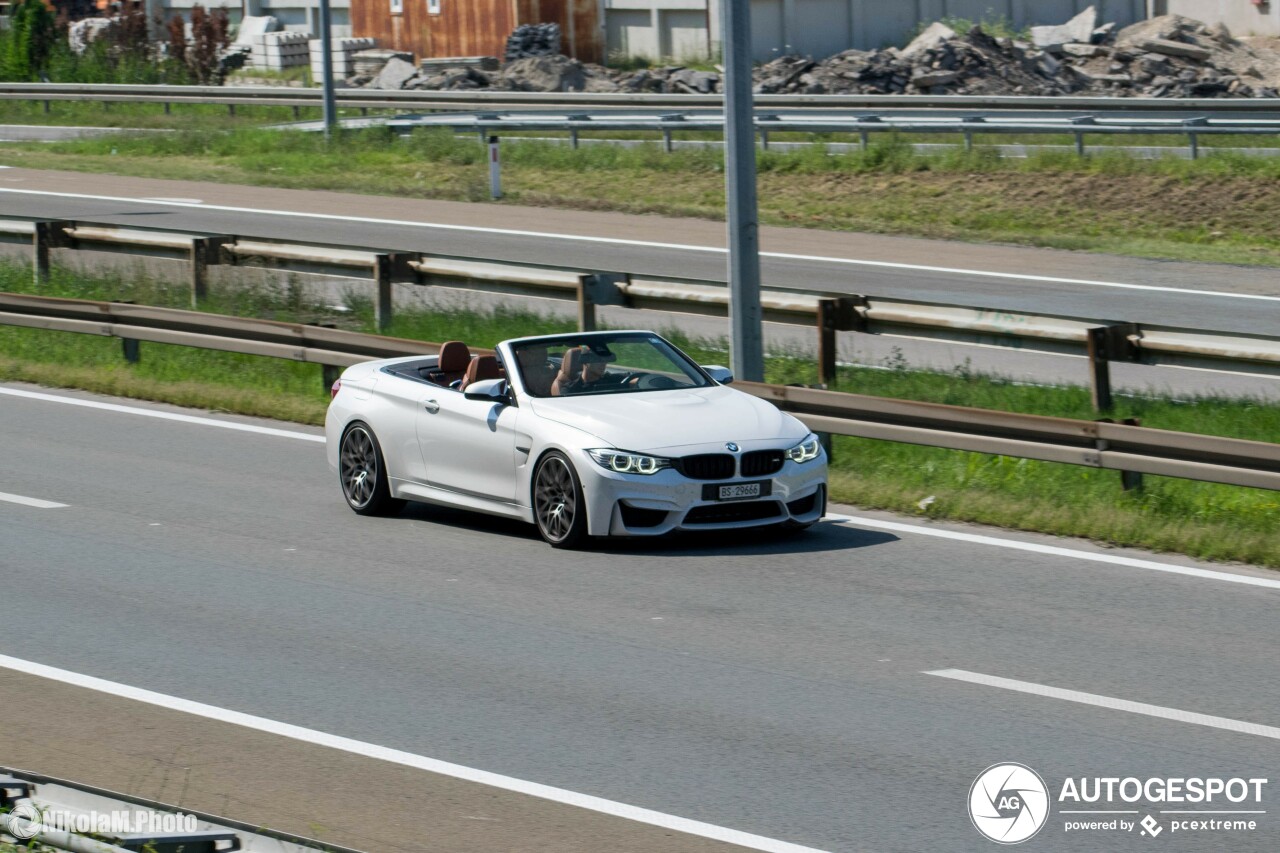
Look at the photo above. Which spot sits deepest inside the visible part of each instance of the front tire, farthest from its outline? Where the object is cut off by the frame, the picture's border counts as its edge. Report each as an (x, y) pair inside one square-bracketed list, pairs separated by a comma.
[(559, 508), (362, 473)]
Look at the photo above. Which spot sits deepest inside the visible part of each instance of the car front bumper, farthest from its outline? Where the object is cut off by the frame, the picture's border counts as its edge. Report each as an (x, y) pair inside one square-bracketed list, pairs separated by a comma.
[(637, 505)]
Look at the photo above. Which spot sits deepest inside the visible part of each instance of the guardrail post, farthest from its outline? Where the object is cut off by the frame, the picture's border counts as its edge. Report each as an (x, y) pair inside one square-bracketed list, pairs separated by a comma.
[(205, 252), (45, 236), (329, 374), (598, 289), (1129, 480), (1108, 344), (386, 268), (838, 314), (132, 350)]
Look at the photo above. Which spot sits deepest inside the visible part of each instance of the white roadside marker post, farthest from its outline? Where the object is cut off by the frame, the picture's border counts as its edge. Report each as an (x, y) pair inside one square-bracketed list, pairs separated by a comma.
[(495, 173)]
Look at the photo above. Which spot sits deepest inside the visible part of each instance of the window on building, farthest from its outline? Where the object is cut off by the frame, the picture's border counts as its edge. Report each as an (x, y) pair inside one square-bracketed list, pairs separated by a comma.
[(433, 7), (397, 7)]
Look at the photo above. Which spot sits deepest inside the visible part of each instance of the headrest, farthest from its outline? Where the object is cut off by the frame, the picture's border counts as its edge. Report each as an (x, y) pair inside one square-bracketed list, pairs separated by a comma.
[(483, 367), (571, 365), (454, 357)]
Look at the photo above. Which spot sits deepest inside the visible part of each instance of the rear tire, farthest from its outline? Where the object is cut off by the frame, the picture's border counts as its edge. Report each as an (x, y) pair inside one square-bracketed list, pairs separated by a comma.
[(362, 473), (559, 509)]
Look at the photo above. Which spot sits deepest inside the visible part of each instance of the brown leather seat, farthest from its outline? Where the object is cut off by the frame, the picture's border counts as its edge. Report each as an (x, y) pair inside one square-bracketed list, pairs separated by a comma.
[(455, 359), (481, 367), (570, 369)]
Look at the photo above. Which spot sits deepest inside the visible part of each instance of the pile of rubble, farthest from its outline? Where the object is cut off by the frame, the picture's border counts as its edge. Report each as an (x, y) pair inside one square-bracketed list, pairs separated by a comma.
[(1169, 56)]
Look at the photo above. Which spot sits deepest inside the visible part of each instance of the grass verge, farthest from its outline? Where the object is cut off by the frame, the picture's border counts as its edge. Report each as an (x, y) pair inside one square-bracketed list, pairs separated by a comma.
[(1217, 209), (1203, 520)]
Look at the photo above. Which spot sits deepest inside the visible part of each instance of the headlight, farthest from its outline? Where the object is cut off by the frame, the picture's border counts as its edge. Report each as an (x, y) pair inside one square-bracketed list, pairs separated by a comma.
[(805, 451), (626, 462)]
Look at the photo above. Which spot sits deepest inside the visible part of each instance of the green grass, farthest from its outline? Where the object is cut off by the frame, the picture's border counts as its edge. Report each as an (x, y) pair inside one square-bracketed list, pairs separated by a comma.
[(202, 118), (1200, 519), (1220, 208)]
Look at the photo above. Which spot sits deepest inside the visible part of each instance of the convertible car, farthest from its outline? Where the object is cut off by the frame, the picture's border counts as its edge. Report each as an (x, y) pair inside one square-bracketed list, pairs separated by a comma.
[(591, 434)]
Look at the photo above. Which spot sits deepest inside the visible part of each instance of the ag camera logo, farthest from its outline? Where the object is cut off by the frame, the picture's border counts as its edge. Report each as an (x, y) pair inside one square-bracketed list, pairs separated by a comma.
[(1008, 803)]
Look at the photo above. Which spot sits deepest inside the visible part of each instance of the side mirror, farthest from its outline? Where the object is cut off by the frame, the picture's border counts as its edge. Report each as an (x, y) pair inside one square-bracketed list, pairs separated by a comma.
[(719, 373), (488, 390)]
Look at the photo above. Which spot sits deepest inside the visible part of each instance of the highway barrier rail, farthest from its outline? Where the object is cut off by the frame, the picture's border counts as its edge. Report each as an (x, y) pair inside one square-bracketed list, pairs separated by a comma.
[(862, 123), (1127, 448), (828, 312), (471, 100), (574, 112)]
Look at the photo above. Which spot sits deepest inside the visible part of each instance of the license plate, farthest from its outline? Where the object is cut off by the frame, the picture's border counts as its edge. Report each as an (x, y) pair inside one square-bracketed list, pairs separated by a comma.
[(746, 490), (737, 491)]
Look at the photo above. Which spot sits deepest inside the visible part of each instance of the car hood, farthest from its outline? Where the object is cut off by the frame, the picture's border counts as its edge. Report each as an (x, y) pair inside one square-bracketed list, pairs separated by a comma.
[(652, 421)]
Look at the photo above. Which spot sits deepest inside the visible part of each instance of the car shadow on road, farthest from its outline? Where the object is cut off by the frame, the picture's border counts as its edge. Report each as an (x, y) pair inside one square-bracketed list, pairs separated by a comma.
[(829, 535), (823, 536)]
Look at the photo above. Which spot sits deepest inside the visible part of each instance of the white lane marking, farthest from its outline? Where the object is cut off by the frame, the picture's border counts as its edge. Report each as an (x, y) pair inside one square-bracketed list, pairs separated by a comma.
[(1054, 550), (618, 241), (35, 502), (163, 199), (1110, 702), (407, 759), (166, 416)]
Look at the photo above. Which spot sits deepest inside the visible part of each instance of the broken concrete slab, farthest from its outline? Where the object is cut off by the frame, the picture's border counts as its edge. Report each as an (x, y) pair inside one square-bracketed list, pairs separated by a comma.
[(926, 79), (933, 36), (1083, 51), (395, 74), (1176, 48), (1079, 29)]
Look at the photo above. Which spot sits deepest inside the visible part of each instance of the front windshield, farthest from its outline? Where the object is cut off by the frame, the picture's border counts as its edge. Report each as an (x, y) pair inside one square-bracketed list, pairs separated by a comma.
[(604, 364)]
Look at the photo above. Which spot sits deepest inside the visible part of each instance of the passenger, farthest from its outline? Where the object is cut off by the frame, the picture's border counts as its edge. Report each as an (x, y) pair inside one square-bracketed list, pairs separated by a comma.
[(538, 373)]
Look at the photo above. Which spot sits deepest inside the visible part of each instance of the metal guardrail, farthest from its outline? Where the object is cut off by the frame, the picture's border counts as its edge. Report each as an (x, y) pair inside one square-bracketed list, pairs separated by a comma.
[(1101, 341), (479, 100), (862, 123), (1088, 443)]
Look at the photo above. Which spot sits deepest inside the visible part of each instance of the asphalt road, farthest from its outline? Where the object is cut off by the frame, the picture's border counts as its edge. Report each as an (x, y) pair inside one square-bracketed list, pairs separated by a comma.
[(918, 269), (778, 687), (1229, 298)]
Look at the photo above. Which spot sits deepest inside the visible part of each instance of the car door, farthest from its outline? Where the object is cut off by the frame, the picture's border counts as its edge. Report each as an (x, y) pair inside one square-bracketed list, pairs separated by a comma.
[(394, 416), (468, 446)]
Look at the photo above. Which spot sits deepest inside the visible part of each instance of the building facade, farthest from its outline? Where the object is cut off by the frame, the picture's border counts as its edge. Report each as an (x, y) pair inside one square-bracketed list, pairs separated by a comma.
[(1242, 17), (438, 28), (690, 29)]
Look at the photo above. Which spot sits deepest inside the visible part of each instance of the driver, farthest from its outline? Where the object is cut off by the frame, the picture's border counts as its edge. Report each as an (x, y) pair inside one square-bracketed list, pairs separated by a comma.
[(579, 372)]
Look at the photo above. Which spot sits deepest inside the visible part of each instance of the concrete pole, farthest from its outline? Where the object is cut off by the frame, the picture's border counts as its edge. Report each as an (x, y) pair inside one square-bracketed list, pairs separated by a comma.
[(745, 315), (326, 65)]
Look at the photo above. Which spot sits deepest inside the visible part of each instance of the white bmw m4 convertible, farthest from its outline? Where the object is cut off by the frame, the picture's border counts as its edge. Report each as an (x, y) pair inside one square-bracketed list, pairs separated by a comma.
[(589, 434)]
